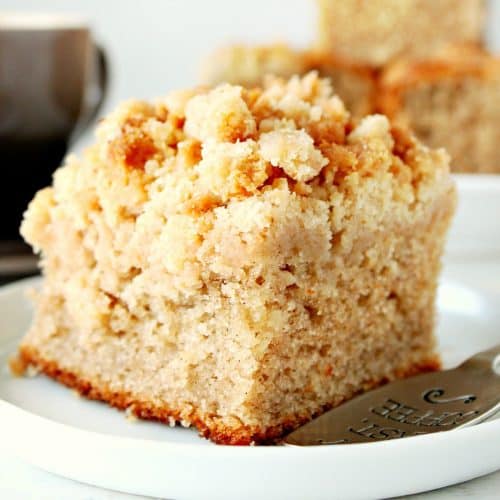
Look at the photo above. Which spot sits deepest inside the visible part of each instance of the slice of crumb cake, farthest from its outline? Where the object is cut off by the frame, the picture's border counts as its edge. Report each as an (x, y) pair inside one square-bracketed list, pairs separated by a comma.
[(451, 100), (376, 31), (239, 260)]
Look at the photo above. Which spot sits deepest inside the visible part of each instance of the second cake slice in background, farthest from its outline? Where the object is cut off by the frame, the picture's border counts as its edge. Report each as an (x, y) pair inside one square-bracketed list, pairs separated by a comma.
[(375, 31), (451, 100)]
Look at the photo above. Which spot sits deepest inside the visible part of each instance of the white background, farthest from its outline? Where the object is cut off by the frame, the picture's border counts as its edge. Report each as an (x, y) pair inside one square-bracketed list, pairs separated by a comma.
[(156, 45)]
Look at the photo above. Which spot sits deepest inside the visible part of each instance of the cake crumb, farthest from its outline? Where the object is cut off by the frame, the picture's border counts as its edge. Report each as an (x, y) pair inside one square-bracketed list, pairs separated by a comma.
[(294, 152), (32, 371), (17, 365), (230, 119), (373, 127), (130, 414)]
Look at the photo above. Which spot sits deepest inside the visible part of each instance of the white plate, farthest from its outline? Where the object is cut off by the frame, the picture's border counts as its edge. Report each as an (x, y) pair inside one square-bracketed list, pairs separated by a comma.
[(46, 425)]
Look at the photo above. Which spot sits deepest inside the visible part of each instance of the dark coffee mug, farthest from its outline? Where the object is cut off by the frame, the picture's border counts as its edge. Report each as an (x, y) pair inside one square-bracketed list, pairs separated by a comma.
[(52, 83)]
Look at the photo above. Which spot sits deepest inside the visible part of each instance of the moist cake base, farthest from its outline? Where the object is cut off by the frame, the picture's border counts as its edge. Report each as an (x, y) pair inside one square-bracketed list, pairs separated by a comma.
[(205, 424), (377, 330)]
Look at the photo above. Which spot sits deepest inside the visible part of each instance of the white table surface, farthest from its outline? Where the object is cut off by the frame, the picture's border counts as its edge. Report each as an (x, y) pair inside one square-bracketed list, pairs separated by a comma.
[(19, 481)]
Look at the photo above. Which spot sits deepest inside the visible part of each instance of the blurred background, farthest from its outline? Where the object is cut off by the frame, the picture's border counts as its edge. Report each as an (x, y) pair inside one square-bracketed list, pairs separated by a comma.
[(156, 45)]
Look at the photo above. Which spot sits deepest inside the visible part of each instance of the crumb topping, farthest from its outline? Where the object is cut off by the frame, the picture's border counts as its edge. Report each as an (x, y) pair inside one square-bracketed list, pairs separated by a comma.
[(178, 172), (229, 119), (294, 152), (375, 127), (231, 169), (211, 145)]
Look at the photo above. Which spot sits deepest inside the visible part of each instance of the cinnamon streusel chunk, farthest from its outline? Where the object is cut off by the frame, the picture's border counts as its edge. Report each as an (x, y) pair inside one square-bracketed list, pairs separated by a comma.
[(239, 260)]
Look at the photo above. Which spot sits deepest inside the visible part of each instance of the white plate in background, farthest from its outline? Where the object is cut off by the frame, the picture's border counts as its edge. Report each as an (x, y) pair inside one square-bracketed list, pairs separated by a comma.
[(46, 425), (476, 227)]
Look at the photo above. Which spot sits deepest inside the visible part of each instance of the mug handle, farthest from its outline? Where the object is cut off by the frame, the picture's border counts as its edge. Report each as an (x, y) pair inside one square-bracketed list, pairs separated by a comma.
[(102, 85)]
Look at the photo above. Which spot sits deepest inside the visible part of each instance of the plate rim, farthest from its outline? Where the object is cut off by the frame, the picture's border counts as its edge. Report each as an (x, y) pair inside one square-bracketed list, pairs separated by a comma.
[(477, 182)]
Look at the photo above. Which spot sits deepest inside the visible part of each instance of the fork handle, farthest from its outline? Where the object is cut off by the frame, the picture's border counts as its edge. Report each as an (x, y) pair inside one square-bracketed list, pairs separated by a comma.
[(489, 358)]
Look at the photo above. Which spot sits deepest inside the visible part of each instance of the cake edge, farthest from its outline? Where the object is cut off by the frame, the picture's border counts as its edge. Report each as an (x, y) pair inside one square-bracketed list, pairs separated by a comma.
[(216, 432)]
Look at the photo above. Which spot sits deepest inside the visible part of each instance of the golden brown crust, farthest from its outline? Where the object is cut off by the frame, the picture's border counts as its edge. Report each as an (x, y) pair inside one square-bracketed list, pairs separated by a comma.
[(453, 62), (216, 432)]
